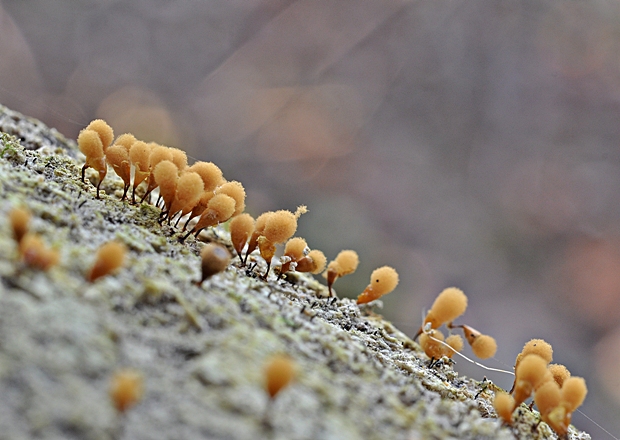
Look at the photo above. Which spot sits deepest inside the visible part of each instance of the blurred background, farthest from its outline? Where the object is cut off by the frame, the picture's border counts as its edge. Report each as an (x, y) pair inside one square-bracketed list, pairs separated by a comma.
[(470, 143)]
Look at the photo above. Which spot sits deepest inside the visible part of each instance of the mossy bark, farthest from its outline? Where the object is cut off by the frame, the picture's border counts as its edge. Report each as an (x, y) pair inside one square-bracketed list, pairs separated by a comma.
[(201, 350)]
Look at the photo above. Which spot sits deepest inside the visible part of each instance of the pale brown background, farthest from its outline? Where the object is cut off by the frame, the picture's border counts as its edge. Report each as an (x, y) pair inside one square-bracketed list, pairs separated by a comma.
[(473, 143)]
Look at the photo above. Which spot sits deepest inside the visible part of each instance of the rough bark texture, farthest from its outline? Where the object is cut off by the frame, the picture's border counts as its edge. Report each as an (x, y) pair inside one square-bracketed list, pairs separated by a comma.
[(201, 350)]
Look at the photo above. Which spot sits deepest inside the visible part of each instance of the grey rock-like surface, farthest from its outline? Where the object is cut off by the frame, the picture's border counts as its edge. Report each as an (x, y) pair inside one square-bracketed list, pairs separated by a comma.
[(201, 350), (32, 134)]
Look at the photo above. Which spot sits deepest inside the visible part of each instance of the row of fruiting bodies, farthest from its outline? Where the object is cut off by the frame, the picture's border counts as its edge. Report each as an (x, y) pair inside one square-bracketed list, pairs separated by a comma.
[(215, 258), (200, 190), (271, 227), (556, 394)]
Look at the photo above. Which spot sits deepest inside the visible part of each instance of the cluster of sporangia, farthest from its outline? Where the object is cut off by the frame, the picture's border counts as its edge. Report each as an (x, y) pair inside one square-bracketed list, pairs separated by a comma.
[(449, 305), (201, 191), (556, 394)]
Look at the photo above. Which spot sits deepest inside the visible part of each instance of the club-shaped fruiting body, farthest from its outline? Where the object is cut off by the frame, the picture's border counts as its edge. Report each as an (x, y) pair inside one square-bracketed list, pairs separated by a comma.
[(556, 404), (345, 263), (313, 263), (449, 305), (35, 254), (431, 346), (212, 178), (456, 343), (559, 373), (504, 405), (20, 223), (201, 206), (110, 257), (219, 206), (179, 158), (237, 192), (267, 250), (126, 389), (139, 156), (272, 228), (214, 259), (118, 157), (298, 257), (158, 153), (93, 141), (534, 346), (483, 346), (219, 209), (90, 144), (280, 371), (188, 192), (382, 281), (547, 398), (103, 130), (528, 374), (210, 173), (281, 225), (294, 250), (125, 140), (259, 227), (241, 229), (166, 174)]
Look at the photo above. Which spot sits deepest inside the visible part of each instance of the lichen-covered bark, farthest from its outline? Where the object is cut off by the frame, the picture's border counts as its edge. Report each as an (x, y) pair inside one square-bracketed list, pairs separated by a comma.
[(201, 349)]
